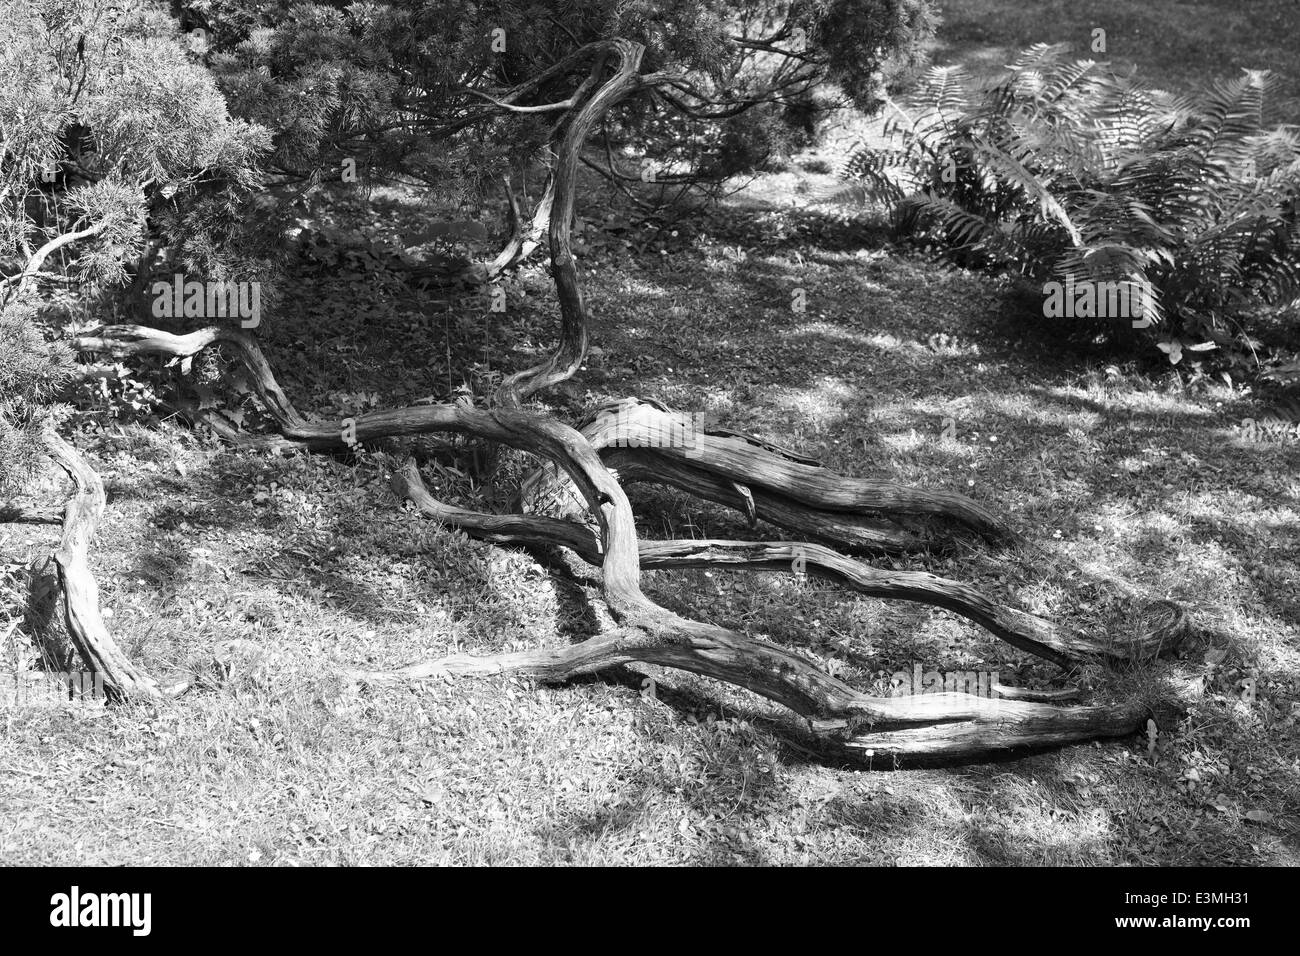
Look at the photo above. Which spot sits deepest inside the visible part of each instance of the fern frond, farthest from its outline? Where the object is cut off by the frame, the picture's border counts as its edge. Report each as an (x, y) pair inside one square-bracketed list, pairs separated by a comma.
[(1013, 170), (1037, 56), (960, 227), (1061, 167), (1062, 79), (876, 171)]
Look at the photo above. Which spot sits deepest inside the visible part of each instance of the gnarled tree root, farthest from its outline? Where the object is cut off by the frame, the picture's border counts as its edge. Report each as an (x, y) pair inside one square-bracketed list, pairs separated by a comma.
[(652, 634), (748, 461), (85, 623), (765, 482), (853, 532), (644, 442), (1018, 628), (944, 726), (1003, 726)]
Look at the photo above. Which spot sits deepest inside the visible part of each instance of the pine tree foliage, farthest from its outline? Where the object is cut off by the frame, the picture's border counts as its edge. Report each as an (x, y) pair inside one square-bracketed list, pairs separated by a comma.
[(402, 88), (32, 371), (118, 158)]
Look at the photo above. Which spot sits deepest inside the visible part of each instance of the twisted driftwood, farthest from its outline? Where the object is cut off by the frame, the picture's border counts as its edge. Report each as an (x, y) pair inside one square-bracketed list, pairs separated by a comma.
[(764, 482), (86, 628), (936, 725)]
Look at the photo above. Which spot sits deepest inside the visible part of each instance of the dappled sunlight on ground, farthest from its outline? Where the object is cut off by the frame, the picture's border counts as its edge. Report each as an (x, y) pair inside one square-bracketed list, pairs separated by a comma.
[(268, 577)]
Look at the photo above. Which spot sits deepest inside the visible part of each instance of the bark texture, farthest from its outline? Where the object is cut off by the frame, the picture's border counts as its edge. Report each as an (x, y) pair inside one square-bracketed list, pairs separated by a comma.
[(85, 623), (641, 441)]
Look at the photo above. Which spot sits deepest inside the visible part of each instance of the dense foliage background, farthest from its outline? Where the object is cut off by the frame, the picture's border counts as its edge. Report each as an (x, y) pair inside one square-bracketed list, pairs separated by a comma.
[(146, 139), (1065, 169)]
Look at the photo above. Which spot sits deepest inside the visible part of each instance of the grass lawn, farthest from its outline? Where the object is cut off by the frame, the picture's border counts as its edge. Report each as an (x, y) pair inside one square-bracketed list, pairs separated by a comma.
[(268, 576)]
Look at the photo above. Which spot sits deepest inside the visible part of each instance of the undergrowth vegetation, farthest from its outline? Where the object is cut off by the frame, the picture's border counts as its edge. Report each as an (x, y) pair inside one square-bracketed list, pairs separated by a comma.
[(261, 581), (1063, 170)]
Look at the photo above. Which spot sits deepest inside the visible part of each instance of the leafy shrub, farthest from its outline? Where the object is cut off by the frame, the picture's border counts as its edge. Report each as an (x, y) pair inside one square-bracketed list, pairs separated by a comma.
[(1066, 171), (110, 124), (396, 87), (118, 160)]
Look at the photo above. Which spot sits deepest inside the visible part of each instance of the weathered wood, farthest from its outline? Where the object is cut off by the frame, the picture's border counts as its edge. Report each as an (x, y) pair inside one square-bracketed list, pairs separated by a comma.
[(1058, 696), (1003, 726), (15, 286), (652, 634), (1018, 628), (85, 624), (740, 471), (572, 349), (855, 533), (524, 239), (140, 340), (638, 424)]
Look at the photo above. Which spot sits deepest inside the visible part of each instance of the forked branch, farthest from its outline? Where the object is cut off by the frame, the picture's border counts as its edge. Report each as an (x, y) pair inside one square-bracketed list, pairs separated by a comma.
[(738, 470)]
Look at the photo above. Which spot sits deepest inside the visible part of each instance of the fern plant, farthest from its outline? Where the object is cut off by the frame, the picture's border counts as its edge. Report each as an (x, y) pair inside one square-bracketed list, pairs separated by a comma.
[(1063, 170)]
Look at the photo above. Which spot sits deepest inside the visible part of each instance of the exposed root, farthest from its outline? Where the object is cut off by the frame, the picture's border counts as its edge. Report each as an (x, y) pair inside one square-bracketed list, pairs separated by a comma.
[(85, 624), (644, 442), (1018, 628), (932, 726), (637, 424), (855, 533), (652, 634), (761, 480), (1003, 726)]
